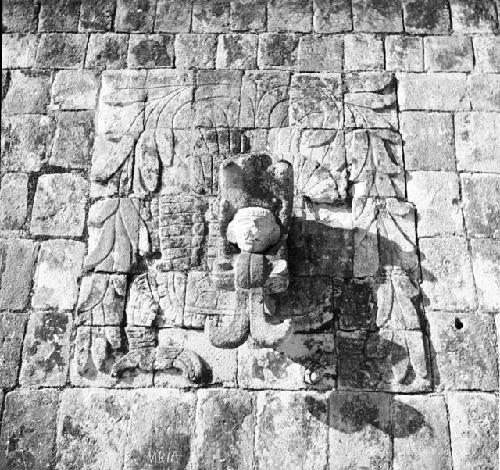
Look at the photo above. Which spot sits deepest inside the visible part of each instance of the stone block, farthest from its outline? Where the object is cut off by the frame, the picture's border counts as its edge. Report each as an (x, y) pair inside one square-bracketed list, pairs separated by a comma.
[(487, 53), (151, 51), (5, 83), (74, 90), (428, 140), (107, 51), (485, 92), (17, 263), (204, 45), (436, 197), (12, 327), (448, 54), (477, 142), (28, 93), (360, 420), (320, 54), (421, 435), (366, 259), (404, 53), (302, 444), (172, 294), (285, 15), (96, 15), (474, 16), (433, 91), (58, 269), (377, 16), (173, 16), (332, 16), (13, 201), (237, 51), (486, 267), (58, 15), (61, 51), (29, 429), (464, 350), (278, 51), (46, 350), (474, 429), (447, 274), (215, 441), (481, 197), (426, 16), (210, 17), (354, 304), (135, 16), (247, 15), (59, 207), (18, 50), (19, 16), (363, 52)]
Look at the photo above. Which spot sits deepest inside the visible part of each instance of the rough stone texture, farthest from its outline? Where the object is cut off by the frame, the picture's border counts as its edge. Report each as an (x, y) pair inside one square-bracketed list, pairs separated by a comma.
[(320, 54), (58, 268), (173, 16), (75, 90), (332, 16), (377, 16), (426, 16), (247, 15), (203, 44), (19, 16), (59, 206), (474, 429), (16, 267), (96, 15), (28, 429), (485, 94), (481, 195), (448, 53), (11, 342), (58, 15), (477, 141), (151, 51), (473, 17), (135, 16), (404, 53), (13, 201), (18, 50), (28, 93), (237, 51), (210, 17), (107, 51), (285, 15), (363, 52), (461, 361), (61, 51), (487, 53), (486, 267), (447, 274), (278, 51)]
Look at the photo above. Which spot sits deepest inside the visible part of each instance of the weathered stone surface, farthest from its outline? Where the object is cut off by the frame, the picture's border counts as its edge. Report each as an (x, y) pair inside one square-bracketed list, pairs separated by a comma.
[(173, 16), (18, 50), (107, 51), (46, 350), (96, 15), (487, 53), (58, 269), (210, 17), (12, 327), (333, 16), (278, 51), (161, 427), (285, 15), (58, 15), (225, 427), (363, 52), (151, 51), (204, 45), (486, 267), (404, 53), (29, 429), (421, 435), (75, 89), (436, 197), (172, 297), (353, 304), (484, 90), (28, 93), (61, 51), (377, 16), (73, 140), (426, 16), (302, 444), (13, 201), (433, 92), (474, 429), (16, 267), (428, 140), (19, 16), (366, 259), (461, 361), (447, 274), (448, 53), (135, 16), (59, 207), (26, 141), (247, 15), (473, 16), (5, 83), (481, 195), (320, 54), (360, 420), (237, 51)]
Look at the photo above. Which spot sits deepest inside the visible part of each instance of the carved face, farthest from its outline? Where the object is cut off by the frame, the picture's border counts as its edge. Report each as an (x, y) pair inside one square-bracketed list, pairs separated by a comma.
[(253, 229)]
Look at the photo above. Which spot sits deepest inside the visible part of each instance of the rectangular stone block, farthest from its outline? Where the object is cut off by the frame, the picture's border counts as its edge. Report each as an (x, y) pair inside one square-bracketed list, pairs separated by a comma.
[(473, 17), (12, 327), (19, 16), (210, 17), (448, 54), (354, 304), (28, 92), (332, 16), (363, 52), (247, 15), (320, 54), (135, 16), (426, 16), (366, 259), (487, 53), (205, 46), (172, 297), (107, 51), (237, 51), (404, 53), (18, 50), (278, 51), (13, 201), (377, 17), (486, 267), (96, 15), (484, 90), (286, 15), (151, 51), (61, 51), (173, 16), (75, 90), (58, 15)]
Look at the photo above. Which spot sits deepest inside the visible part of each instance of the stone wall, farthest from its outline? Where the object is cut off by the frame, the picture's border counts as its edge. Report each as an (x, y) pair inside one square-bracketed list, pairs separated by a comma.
[(116, 115)]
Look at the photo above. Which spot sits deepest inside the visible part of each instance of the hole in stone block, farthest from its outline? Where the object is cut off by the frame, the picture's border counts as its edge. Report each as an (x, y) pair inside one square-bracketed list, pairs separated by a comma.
[(458, 324)]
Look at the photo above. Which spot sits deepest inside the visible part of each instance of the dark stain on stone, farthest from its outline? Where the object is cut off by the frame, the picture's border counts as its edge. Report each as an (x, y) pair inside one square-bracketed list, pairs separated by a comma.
[(137, 14), (275, 363), (281, 50), (70, 429), (110, 51), (154, 53), (166, 452), (232, 48), (112, 409), (425, 14)]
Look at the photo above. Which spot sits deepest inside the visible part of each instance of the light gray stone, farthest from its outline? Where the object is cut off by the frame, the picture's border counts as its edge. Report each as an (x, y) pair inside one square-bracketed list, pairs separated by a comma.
[(61, 51), (486, 267), (13, 201), (377, 17), (173, 16), (237, 51), (472, 17), (448, 53), (107, 51), (75, 89), (404, 53), (363, 52), (286, 15), (320, 54), (12, 327), (487, 53), (247, 15), (204, 45), (210, 17), (484, 90), (18, 50), (28, 93), (333, 16)]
